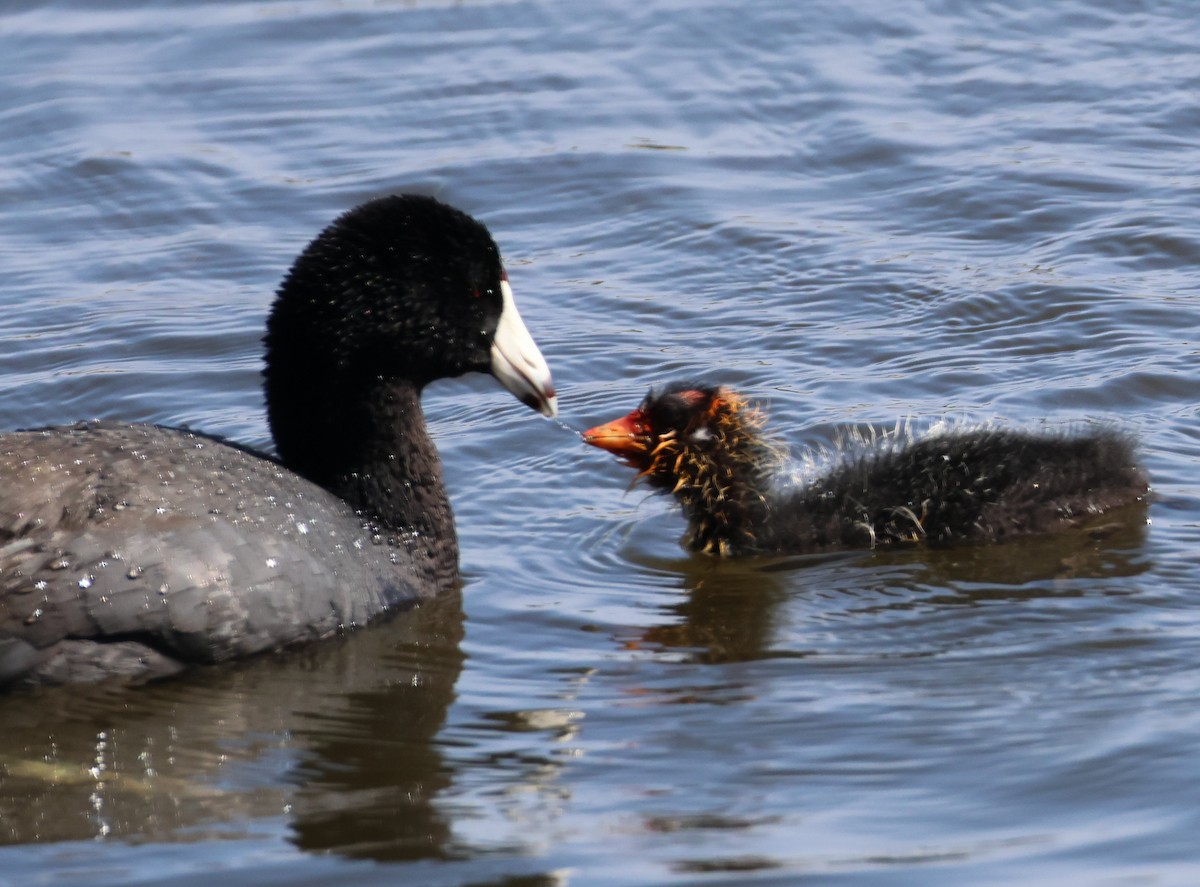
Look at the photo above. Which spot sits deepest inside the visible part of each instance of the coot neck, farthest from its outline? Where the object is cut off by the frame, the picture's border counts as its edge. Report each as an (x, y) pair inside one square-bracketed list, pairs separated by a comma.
[(374, 452)]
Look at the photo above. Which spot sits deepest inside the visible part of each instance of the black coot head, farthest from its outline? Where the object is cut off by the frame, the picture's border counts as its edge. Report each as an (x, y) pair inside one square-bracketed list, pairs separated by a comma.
[(403, 286), (400, 290)]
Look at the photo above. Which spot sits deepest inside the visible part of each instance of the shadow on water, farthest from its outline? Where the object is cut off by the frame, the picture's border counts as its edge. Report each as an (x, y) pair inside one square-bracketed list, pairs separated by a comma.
[(369, 771), (732, 608), (342, 743), (337, 738)]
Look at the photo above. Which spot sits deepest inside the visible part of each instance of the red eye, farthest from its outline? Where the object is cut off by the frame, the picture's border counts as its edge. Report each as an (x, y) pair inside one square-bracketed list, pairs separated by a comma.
[(478, 294)]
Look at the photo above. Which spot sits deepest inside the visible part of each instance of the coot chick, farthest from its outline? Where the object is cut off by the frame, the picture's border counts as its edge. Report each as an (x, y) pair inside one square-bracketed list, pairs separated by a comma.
[(134, 550), (706, 446)]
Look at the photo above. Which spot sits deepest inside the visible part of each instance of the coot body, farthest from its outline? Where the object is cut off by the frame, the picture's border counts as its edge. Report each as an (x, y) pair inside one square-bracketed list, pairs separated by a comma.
[(135, 550)]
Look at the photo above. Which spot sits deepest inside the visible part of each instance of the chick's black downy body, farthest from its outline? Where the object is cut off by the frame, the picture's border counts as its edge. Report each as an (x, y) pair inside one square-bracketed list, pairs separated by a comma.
[(706, 447)]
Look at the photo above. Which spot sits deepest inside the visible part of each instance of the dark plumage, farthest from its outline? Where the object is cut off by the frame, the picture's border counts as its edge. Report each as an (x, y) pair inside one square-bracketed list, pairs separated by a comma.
[(136, 549), (706, 447)]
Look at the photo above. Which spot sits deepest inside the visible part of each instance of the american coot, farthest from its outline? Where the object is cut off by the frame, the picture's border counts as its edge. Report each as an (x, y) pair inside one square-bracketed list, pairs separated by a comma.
[(136, 549), (706, 446)]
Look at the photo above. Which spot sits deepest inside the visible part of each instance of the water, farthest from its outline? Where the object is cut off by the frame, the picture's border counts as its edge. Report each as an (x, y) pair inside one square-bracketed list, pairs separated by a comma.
[(854, 212)]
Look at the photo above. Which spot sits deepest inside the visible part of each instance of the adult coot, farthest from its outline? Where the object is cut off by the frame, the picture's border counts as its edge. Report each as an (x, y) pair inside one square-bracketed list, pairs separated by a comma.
[(137, 549), (704, 445)]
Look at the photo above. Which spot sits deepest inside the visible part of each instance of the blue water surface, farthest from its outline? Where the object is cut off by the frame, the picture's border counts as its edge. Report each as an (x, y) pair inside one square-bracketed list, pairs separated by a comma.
[(855, 212)]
